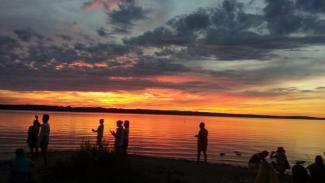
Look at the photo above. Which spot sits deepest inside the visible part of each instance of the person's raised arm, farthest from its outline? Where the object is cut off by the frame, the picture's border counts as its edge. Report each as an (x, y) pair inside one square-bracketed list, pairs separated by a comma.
[(113, 133)]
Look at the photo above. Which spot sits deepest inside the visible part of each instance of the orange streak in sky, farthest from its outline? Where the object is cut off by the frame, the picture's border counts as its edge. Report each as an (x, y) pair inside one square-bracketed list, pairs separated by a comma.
[(170, 99), (109, 5)]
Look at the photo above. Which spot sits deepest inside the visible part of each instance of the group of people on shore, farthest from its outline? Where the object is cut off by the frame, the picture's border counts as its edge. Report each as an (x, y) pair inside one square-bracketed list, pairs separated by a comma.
[(121, 136), (38, 136), (267, 172), (270, 172)]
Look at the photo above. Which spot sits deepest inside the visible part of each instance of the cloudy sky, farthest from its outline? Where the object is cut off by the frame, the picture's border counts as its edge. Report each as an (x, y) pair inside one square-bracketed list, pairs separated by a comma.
[(244, 56)]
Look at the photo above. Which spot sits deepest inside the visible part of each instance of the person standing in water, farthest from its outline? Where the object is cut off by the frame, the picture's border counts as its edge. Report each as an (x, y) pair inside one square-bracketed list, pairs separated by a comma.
[(100, 133), (32, 139), (44, 136), (118, 135), (202, 142), (126, 136)]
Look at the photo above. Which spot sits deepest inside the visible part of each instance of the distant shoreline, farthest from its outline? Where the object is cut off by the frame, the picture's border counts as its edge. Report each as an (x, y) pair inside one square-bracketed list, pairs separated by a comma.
[(145, 111)]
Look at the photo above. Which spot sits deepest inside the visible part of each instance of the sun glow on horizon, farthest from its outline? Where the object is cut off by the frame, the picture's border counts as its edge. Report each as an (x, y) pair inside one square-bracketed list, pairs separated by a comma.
[(167, 99)]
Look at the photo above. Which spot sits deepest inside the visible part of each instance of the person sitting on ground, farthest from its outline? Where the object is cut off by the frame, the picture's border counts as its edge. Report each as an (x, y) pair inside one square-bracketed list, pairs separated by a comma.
[(300, 174), (118, 135), (317, 170), (100, 133), (202, 142), (126, 136), (281, 163), (257, 159), (266, 174), (32, 139), (44, 137), (21, 168)]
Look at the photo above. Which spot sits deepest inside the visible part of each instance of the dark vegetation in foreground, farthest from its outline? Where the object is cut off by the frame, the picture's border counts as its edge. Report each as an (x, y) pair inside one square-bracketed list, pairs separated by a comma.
[(144, 111), (89, 164), (92, 165)]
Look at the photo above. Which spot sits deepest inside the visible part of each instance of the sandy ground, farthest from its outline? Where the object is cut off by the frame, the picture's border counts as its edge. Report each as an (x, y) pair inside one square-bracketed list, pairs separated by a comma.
[(161, 170)]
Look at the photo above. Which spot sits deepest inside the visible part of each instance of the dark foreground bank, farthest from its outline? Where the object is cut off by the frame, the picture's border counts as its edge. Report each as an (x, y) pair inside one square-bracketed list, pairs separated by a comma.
[(95, 166)]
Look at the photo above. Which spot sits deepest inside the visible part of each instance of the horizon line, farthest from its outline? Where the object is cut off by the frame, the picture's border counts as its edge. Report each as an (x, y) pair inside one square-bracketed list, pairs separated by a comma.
[(69, 108)]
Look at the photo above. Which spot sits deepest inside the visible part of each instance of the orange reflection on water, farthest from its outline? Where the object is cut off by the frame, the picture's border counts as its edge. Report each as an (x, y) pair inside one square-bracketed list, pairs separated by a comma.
[(173, 136)]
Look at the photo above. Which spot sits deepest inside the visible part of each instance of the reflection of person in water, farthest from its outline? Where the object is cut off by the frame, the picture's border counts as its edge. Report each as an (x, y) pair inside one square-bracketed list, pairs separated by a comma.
[(100, 133), (202, 142)]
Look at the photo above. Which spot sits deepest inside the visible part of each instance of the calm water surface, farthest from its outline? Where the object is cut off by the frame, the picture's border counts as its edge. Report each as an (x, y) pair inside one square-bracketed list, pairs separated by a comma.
[(172, 136)]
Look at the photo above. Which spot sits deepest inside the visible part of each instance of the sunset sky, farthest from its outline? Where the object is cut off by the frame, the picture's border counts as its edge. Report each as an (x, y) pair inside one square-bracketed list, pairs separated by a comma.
[(244, 56)]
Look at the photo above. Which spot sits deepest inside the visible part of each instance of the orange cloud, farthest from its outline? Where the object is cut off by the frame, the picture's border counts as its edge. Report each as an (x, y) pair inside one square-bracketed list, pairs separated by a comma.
[(82, 65), (109, 5)]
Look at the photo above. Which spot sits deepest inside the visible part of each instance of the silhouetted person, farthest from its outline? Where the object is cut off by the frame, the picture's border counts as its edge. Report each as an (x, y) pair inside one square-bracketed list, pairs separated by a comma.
[(266, 174), (281, 163), (118, 135), (36, 120), (300, 174), (126, 136), (100, 133), (21, 168), (44, 136), (32, 139), (255, 161), (317, 170), (202, 142)]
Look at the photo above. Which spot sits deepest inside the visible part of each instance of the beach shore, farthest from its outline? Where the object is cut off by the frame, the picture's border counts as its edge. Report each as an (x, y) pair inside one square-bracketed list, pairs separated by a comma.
[(137, 169)]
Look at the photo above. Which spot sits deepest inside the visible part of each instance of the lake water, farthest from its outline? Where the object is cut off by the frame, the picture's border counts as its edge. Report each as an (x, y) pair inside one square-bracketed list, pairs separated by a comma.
[(172, 136)]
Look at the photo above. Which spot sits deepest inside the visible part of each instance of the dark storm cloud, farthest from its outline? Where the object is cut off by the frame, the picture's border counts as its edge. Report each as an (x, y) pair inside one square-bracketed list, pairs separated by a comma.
[(28, 34), (228, 32), (7, 47), (225, 24), (35, 74), (281, 16), (287, 16), (127, 15), (159, 37), (102, 32), (6, 41), (292, 92), (311, 5)]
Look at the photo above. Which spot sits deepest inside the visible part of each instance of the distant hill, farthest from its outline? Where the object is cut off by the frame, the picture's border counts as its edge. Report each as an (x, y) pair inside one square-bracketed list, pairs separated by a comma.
[(144, 111)]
